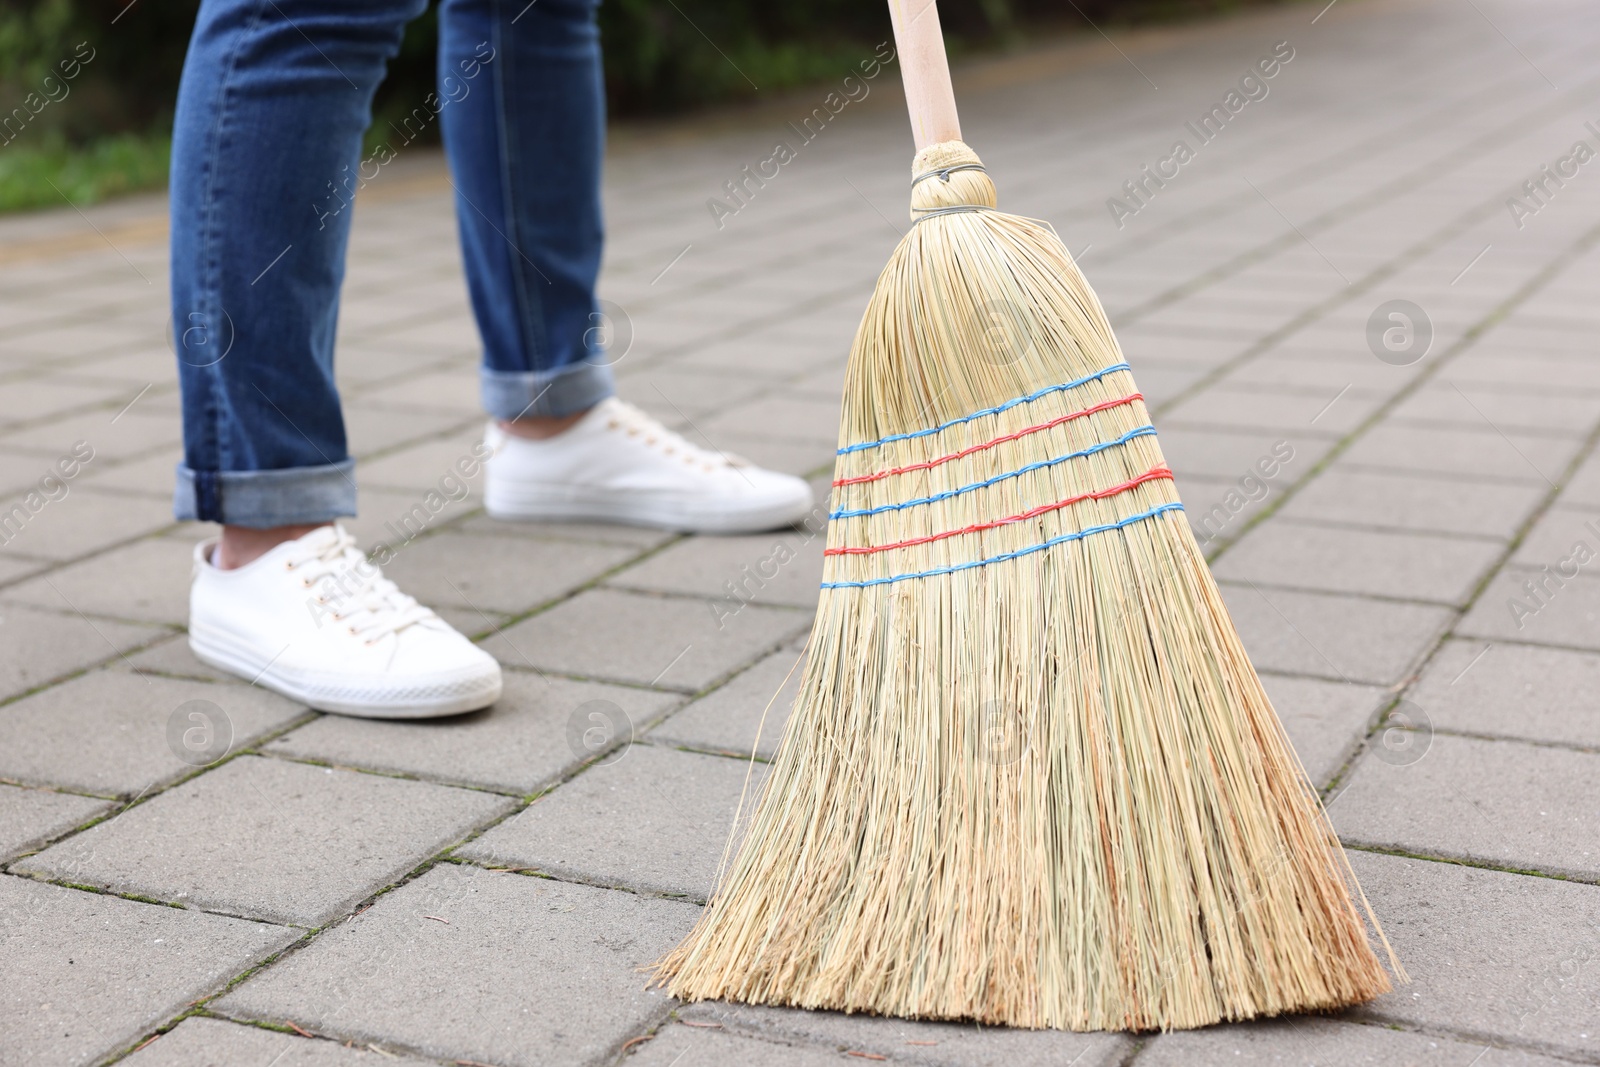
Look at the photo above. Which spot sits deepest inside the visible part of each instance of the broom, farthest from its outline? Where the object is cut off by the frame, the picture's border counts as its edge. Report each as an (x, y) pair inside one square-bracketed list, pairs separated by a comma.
[(1031, 777)]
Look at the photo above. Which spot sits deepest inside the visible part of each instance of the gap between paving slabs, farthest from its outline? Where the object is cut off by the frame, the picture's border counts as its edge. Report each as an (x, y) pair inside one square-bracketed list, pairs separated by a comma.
[(1332, 163), (1469, 337), (1472, 335), (200, 1010), (1519, 533), (307, 937), (1178, 225), (1501, 312), (1351, 208), (443, 856), (254, 748)]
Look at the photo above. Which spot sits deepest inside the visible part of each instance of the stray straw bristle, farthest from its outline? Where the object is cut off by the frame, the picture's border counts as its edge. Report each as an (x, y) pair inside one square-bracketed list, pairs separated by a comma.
[(1031, 777)]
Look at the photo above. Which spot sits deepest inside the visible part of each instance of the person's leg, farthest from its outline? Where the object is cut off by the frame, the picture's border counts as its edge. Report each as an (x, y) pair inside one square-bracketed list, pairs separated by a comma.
[(524, 125), (525, 133), (266, 150), (266, 144)]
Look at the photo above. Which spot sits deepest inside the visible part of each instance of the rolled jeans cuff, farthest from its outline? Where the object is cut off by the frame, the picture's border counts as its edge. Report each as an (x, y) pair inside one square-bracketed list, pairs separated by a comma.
[(566, 391), (263, 499)]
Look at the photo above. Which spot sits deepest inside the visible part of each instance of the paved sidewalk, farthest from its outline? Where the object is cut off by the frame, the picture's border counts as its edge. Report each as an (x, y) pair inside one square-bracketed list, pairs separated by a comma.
[(1407, 533)]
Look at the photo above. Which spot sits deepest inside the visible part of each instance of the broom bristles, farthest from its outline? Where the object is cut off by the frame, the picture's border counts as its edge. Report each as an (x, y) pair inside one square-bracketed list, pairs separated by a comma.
[(1031, 777)]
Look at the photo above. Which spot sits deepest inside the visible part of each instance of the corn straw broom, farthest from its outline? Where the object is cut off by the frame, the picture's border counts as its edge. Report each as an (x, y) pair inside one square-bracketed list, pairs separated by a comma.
[(1031, 777)]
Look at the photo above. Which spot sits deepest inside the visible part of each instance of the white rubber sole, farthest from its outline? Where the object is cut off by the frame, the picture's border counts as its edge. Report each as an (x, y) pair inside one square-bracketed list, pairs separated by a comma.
[(535, 502), (454, 694)]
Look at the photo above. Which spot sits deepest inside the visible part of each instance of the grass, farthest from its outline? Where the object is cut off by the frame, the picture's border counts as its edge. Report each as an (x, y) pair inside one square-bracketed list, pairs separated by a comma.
[(40, 174)]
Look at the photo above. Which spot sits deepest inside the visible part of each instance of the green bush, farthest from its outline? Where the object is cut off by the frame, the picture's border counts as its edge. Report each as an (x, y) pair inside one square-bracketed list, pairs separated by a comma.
[(42, 173), (110, 133)]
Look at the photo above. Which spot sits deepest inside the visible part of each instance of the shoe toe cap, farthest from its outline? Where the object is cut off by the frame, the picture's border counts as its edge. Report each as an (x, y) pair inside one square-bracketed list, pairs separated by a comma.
[(783, 497)]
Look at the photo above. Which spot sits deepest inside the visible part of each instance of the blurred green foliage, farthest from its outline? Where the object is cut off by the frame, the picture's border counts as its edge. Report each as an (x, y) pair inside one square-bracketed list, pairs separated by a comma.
[(110, 133), (83, 173)]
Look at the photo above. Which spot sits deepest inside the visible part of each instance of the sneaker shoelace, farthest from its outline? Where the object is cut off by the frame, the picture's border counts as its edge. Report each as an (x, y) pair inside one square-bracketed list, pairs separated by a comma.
[(355, 590), (636, 423)]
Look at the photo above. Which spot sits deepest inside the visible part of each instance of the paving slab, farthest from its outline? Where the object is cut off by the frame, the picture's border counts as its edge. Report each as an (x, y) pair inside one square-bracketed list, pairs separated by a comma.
[(743, 338), (676, 1044), (1565, 539), (1482, 454), (1504, 803), (522, 971), (761, 356), (111, 732), (129, 370), (745, 716), (587, 532), (1510, 690), (202, 1042), (902, 1040), (270, 839), (86, 520), (824, 383), (31, 817), (147, 581), (1445, 402), (172, 656), (149, 475), (775, 568), (1341, 638), (449, 391), (686, 390), (14, 568), (670, 642), (1218, 509), (417, 468), (1164, 384), (1324, 720), (507, 574), (473, 623), (1411, 566), (1363, 497), (37, 646), (1583, 488), (539, 730), (1235, 454), (651, 819), (1505, 958), (395, 518), (784, 417), (86, 975), (1310, 1040), (375, 429), (36, 398), (133, 434), (21, 471), (1516, 368), (1523, 606), (1283, 411), (1327, 372)]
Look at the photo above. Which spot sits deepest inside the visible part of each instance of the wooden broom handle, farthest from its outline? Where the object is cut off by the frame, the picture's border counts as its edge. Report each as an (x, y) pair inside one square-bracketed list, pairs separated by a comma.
[(919, 45)]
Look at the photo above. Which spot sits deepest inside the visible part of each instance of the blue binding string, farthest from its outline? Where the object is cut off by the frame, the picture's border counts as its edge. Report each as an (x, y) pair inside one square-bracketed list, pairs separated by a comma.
[(1141, 431), (1096, 376), (954, 567)]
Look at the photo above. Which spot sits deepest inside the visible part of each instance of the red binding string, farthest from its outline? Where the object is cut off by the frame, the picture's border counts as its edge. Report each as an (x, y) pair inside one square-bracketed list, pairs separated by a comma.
[(1100, 494), (878, 475)]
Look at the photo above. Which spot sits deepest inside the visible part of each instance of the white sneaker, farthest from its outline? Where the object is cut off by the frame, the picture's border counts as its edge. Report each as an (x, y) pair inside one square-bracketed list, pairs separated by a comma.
[(314, 620), (617, 464)]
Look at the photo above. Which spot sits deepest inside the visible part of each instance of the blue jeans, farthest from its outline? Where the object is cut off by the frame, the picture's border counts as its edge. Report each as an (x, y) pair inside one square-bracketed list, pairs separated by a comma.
[(266, 157)]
